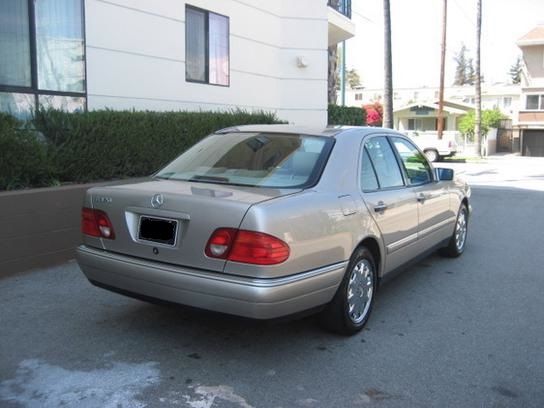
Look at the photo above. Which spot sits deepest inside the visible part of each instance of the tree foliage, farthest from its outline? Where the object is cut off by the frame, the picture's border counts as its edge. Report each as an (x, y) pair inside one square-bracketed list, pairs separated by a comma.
[(353, 78), (464, 70), (491, 118), (515, 72)]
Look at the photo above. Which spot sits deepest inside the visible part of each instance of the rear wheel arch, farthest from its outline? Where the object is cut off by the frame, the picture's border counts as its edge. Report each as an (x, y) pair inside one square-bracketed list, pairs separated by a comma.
[(372, 244), (465, 203)]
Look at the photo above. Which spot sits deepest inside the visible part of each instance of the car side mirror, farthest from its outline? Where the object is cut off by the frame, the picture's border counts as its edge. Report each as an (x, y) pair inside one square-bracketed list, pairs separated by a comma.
[(443, 174)]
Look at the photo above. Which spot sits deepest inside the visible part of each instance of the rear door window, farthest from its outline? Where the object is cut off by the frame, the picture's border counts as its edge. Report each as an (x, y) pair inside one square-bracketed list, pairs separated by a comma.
[(384, 163)]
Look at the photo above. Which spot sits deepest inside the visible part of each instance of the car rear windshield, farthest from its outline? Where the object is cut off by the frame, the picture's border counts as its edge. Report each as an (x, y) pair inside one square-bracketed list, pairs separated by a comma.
[(253, 159)]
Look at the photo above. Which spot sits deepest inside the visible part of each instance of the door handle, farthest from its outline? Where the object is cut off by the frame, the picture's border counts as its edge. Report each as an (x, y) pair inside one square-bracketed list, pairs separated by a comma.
[(381, 207), (421, 197)]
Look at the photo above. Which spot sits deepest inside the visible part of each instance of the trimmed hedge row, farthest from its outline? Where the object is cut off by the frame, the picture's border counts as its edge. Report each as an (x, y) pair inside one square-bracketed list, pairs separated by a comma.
[(346, 115), (23, 158), (103, 145), (57, 147)]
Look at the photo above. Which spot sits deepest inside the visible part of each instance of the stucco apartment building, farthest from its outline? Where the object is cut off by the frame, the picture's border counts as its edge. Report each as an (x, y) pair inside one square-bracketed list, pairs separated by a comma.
[(531, 114), (170, 55)]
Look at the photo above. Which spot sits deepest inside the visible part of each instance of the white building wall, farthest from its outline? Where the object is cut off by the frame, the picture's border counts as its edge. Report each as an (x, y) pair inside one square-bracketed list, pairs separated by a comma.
[(136, 57)]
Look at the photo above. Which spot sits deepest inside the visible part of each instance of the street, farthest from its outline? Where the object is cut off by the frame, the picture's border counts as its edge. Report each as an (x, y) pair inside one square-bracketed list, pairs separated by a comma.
[(466, 332)]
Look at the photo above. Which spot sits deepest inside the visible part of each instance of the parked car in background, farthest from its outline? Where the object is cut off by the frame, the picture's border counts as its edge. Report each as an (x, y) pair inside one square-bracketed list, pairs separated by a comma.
[(267, 221), (434, 148)]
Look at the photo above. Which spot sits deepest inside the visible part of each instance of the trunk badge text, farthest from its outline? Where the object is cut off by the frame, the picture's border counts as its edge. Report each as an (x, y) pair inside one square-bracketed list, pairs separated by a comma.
[(157, 200), (103, 200)]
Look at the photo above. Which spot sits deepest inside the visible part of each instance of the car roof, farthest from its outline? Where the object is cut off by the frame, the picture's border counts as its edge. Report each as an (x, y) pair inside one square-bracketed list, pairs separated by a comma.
[(330, 131)]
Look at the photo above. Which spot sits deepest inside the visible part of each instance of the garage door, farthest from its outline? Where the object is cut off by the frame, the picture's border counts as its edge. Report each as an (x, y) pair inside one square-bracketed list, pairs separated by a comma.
[(533, 143)]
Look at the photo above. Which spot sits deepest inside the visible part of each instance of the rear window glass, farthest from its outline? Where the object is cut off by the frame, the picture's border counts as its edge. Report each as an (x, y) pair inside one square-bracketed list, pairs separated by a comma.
[(253, 159)]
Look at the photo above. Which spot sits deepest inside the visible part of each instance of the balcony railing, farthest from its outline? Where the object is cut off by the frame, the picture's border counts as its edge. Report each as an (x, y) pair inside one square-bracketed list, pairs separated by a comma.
[(342, 6)]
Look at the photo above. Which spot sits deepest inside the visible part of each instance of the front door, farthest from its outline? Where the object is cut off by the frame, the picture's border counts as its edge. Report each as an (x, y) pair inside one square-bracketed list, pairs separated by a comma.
[(433, 203)]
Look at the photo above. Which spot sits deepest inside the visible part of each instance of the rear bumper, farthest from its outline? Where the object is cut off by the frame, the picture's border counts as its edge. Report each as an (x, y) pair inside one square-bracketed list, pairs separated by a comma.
[(254, 298)]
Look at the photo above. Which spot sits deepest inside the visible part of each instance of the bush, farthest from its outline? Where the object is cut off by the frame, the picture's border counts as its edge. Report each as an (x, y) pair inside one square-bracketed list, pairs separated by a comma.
[(491, 118), (24, 158), (346, 115), (105, 145)]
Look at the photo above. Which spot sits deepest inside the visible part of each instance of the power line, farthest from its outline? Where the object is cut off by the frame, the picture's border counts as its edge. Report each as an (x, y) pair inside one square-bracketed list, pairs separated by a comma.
[(363, 17), (464, 13)]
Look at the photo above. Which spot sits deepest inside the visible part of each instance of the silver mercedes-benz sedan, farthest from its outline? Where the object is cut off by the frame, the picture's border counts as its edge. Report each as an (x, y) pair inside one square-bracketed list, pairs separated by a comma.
[(271, 220)]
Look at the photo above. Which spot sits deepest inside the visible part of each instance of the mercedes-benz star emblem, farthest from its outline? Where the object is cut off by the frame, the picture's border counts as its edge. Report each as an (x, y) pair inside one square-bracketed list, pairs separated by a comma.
[(157, 200)]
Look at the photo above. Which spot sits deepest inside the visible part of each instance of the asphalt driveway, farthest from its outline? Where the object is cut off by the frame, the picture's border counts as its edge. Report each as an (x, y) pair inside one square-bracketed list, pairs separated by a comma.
[(446, 333)]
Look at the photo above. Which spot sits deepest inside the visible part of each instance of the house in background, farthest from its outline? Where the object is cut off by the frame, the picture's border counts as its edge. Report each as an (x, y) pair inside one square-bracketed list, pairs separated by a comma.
[(505, 97), (423, 117), (170, 55), (531, 115)]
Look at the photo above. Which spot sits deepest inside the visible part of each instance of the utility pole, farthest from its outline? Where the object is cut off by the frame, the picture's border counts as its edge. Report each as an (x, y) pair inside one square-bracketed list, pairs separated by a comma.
[(388, 65), (440, 118), (478, 83)]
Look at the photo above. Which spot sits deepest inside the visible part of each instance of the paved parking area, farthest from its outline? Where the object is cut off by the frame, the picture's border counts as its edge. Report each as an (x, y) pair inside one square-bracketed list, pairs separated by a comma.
[(446, 333)]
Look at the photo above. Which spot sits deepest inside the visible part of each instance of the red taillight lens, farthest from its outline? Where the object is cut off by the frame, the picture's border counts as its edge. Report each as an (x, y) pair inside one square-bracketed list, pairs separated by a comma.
[(96, 224), (247, 247), (258, 248)]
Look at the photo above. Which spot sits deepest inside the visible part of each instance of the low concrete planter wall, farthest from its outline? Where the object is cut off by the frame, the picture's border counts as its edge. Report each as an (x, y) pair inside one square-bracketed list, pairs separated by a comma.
[(40, 227)]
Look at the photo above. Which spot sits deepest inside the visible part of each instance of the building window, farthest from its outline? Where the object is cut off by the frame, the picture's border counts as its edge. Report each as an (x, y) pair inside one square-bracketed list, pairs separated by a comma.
[(507, 101), (14, 43), (206, 47), (60, 48), (358, 96), (535, 102), (415, 124), (42, 55)]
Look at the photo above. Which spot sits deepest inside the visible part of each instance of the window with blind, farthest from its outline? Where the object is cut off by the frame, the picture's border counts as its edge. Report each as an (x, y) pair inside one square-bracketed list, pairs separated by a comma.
[(207, 56)]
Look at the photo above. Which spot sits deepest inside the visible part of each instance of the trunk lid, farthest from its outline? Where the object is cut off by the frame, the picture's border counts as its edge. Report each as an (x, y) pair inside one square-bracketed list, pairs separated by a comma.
[(193, 210)]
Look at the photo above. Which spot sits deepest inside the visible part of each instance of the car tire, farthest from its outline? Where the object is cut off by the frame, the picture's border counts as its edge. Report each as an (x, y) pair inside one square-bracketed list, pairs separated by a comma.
[(432, 155), (350, 308), (458, 240)]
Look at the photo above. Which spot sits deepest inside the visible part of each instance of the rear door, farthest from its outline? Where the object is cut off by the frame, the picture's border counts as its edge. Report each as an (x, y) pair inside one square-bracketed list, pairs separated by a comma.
[(392, 205), (433, 203)]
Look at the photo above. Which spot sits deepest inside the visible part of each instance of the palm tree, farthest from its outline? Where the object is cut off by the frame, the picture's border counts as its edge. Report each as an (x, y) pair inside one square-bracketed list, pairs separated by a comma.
[(478, 115), (388, 80)]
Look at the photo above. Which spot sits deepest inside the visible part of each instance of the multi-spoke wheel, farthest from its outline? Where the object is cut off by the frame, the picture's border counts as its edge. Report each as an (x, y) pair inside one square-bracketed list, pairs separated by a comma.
[(350, 308), (458, 240), (360, 290)]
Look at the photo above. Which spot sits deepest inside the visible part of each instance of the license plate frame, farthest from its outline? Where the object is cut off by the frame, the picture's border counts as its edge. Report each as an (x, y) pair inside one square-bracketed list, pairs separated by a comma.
[(158, 230)]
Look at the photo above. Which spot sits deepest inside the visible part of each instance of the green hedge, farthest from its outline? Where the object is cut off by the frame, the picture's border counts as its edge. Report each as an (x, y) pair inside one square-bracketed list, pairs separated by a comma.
[(346, 115), (104, 145), (23, 157)]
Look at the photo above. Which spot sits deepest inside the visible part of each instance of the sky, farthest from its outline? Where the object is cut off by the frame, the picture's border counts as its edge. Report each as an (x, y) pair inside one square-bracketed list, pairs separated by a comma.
[(416, 37)]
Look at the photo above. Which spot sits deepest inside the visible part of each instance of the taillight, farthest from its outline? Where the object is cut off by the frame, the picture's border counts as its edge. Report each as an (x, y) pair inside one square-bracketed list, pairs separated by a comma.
[(246, 247), (220, 243), (96, 224)]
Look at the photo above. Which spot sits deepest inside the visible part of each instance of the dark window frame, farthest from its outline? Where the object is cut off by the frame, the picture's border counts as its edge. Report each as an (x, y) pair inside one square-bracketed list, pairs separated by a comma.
[(395, 155), (402, 164), (539, 102), (207, 45), (362, 155), (33, 89)]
